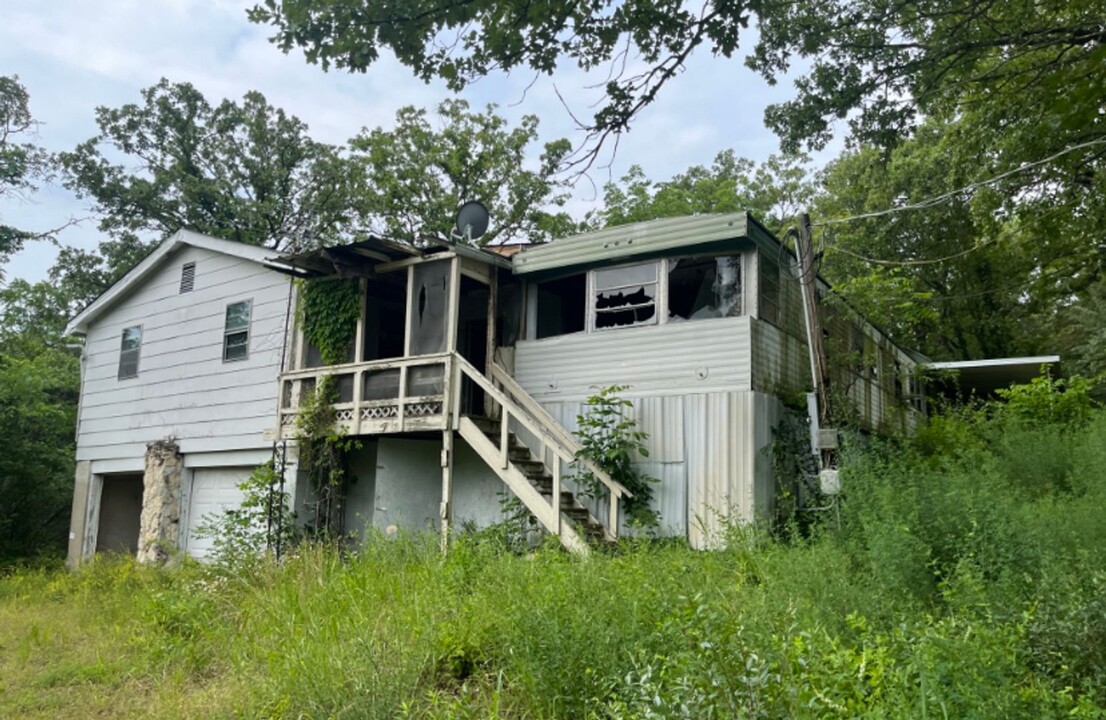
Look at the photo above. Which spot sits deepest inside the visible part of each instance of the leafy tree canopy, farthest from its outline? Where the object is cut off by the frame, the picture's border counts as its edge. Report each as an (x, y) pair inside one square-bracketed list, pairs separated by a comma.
[(772, 191), (412, 178), (39, 384), (22, 164), (244, 171)]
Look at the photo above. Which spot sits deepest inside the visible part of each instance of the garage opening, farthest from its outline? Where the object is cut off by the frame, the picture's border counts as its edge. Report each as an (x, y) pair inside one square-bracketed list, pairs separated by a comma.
[(120, 514)]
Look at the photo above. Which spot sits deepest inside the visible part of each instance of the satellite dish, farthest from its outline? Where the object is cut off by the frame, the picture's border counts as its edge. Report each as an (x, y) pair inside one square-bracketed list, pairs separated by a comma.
[(472, 220)]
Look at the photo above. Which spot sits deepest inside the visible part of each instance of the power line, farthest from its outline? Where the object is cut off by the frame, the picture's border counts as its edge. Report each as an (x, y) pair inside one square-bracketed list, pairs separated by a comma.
[(1003, 232), (967, 188)]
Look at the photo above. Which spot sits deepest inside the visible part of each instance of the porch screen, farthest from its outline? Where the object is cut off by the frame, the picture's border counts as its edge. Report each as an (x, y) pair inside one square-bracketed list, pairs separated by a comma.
[(429, 306)]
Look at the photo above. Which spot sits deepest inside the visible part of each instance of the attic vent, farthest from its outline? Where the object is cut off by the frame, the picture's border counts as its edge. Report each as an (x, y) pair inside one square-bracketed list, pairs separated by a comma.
[(187, 277)]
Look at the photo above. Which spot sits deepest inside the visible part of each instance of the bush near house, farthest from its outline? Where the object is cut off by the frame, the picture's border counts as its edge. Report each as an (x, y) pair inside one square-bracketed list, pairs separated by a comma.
[(964, 577)]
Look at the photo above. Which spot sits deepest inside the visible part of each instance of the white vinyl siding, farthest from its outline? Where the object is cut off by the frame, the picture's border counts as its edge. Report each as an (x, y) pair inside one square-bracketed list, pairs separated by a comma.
[(185, 390)]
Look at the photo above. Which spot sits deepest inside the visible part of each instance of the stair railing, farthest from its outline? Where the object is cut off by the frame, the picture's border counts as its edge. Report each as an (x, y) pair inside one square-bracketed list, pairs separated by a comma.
[(514, 402)]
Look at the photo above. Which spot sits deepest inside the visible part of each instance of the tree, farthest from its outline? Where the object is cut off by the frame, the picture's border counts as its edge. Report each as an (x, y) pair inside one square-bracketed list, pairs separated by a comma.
[(22, 164), (39, 385), (772, 191), (414, 177), (245, 171)]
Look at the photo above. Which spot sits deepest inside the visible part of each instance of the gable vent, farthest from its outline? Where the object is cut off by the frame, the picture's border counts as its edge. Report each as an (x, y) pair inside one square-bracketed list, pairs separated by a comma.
[(187, 277)]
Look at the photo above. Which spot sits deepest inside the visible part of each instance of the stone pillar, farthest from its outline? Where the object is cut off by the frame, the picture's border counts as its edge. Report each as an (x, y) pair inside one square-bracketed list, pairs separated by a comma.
[(159, 532), (78, 518)]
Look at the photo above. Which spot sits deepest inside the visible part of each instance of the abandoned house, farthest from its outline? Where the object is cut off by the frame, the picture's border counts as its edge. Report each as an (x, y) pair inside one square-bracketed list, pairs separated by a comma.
[(464, 381)]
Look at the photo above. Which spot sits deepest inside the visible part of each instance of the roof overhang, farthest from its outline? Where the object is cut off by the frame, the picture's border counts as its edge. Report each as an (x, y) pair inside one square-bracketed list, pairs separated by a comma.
[(150, 263), (983, 377), (655, 238), (359, 258)]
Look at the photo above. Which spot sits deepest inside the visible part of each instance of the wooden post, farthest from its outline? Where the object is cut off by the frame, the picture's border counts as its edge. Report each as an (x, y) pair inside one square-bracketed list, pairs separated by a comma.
[(446, 510), (556, 492), (808, 277), (489, 358)]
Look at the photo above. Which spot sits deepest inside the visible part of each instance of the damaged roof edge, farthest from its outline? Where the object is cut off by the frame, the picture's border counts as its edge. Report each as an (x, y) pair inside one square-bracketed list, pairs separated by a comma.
[(653, 237)]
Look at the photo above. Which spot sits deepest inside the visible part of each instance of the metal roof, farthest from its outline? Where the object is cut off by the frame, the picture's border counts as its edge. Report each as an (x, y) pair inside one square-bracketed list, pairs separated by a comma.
[(983, 377), (652, 238)]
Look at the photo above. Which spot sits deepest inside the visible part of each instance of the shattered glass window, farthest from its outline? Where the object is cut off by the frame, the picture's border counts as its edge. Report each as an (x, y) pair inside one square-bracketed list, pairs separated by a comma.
[(704, 287), (626, 296)]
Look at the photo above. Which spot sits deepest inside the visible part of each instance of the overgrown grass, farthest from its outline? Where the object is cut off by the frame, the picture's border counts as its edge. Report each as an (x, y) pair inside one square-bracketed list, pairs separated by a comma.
[(963, 578)]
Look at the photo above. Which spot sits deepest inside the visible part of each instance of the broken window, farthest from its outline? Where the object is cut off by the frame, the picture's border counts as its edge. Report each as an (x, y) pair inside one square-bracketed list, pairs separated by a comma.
[(430, 300), (625, 296), (561, 306), (704, 287), (128, 352)]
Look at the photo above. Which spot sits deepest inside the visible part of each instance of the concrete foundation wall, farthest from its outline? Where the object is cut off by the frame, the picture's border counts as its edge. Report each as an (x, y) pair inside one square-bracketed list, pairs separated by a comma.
[(361, 494), (408, 484), (78, 516)]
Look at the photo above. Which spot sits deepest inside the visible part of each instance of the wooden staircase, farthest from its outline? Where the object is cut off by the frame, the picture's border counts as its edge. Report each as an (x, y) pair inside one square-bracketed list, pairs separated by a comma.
[(533, 473), (540, 478)]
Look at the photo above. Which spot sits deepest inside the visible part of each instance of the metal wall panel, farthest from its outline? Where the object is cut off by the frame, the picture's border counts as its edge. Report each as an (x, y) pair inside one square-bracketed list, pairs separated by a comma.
[(671, 359), (728, 472), (634, 240)]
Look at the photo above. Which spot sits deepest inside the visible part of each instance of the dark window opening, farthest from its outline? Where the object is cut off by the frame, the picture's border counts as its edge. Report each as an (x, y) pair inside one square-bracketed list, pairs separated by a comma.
[(508, 311), (626, 296), (385, 317), (701, 288), (768, 274), (561, 308)]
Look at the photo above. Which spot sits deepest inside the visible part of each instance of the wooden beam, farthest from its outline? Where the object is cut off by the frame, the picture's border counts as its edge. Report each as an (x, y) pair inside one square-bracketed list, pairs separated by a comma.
[(446, 509), (400, 264)]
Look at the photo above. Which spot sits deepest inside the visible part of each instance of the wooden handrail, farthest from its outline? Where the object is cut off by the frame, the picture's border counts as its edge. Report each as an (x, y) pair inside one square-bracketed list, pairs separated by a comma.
[(554, 427), (539, 422), (377, 365)]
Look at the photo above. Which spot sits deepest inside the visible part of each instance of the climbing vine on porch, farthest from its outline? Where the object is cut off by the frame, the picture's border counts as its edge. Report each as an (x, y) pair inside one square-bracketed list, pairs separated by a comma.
[(328, 313), (329, 310)]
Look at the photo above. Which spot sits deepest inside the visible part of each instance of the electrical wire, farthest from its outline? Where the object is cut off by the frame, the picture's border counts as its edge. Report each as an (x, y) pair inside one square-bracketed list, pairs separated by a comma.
[(967, 188)]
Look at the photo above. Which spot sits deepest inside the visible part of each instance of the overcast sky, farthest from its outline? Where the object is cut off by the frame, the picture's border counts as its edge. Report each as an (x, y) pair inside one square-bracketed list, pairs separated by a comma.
[(75, 55)]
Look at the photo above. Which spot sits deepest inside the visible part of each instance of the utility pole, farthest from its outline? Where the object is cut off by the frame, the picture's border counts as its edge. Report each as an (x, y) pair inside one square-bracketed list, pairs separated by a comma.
[(824, 440)]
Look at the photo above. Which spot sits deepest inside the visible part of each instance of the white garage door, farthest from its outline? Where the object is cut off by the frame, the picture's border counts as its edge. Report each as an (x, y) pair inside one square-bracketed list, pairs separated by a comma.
[(213, 491)]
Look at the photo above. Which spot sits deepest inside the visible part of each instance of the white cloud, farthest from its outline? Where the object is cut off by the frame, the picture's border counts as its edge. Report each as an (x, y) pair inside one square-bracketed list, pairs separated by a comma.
[(75, 55)]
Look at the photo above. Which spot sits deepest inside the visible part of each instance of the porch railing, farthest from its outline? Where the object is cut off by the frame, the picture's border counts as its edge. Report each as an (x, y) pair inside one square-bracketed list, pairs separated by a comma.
[(380, 396)]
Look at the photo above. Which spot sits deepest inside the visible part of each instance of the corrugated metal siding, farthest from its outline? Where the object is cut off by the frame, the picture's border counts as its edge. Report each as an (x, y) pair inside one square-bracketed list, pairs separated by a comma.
[(709, 452), (720, 452), (625, 241), (781, 362), (690, 357)]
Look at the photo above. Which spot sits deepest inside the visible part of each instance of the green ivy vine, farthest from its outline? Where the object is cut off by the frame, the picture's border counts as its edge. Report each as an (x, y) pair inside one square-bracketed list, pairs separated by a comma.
[(328, 313), (329, 310)]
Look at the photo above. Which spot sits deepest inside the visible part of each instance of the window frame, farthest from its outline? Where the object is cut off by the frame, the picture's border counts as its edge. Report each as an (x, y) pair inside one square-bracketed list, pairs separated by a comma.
[(136, 350), (229, 331), (660, 300)]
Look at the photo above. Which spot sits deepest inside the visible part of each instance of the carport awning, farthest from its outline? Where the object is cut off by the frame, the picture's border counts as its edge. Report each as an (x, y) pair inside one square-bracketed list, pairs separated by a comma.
[(983, 377)]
